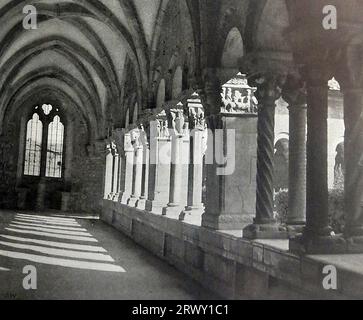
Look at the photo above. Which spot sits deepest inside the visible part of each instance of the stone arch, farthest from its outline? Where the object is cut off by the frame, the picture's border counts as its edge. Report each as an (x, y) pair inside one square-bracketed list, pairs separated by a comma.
[(233, 49), (127, 118), (177, 86), (135, 113), (25, 84), (272, 20), (160, 98), (134, 41)]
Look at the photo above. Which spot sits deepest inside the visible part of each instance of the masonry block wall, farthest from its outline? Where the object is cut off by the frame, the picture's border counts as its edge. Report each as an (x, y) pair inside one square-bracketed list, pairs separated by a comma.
[(231, 267)]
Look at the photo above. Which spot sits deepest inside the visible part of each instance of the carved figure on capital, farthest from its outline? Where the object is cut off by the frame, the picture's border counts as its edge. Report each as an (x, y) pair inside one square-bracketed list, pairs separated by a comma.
[(195, 112), (178, 124), (238, 96), (162, 125)]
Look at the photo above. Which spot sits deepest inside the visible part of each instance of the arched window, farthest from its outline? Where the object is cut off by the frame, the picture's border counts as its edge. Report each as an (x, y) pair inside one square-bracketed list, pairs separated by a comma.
[(55, 149), (33, 146), (44, 147)]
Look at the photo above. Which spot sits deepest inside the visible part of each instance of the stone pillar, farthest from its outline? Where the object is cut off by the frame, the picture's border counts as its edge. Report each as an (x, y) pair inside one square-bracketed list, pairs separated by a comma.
[(159, 168), (294, 93), (231, 156), (66, 197), (265, 226), (198, 139), (141, 203), (137, 170), (115, 185), (317, 236), (22, 198), (353, 149), (108, 172), (127, 166), (179, 130), (41, 193)]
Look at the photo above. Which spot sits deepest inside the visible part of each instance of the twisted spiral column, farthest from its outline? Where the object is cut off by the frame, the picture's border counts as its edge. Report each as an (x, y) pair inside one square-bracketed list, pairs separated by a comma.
[(265, 168), (269, 88)]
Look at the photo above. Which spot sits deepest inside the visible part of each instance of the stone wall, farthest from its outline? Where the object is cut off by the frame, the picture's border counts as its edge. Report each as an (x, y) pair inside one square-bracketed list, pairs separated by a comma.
[(86, 185), (232, 267), (87, 175), (8, 166)]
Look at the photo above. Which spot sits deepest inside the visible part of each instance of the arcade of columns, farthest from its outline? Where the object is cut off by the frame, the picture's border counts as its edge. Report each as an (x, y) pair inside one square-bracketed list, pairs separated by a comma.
[(146, 166)]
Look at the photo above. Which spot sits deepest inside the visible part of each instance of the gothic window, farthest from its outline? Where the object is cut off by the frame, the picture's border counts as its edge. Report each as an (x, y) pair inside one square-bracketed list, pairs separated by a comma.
[(55, 149), (33, 148), (44, 143)]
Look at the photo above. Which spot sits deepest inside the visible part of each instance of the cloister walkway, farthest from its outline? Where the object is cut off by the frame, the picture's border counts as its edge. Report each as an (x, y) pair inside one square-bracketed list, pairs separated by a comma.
[(82, 258)]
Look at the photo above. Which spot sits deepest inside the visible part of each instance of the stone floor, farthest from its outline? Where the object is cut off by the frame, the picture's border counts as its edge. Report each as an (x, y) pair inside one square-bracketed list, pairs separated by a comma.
[(82, 258)]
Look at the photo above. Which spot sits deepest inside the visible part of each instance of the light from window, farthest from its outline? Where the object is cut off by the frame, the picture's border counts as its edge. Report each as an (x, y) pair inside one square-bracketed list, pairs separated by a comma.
[(55, 149), (47, 108), (33, 149)]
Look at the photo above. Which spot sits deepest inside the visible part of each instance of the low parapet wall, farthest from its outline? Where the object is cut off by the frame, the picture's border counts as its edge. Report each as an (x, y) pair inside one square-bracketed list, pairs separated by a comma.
[(232, 267)]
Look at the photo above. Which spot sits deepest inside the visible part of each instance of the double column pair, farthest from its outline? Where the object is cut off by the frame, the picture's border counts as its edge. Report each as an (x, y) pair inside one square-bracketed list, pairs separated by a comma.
[(176, 162), (134, 172), (238, 200)]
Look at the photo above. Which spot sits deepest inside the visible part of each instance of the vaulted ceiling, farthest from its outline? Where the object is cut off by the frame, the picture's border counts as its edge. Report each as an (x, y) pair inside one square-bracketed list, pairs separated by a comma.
[(80, 52)]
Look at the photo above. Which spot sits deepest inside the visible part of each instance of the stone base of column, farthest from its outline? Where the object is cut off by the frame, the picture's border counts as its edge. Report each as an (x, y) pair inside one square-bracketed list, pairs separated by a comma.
[(66, 197), (141, 204), (132, 201), (172, 211), (192, 215), (116, 197), (224, 222), (295, 229), (265, 231), (334, 244), (125, 198), (154, 207), (22, 196), (355, 244)]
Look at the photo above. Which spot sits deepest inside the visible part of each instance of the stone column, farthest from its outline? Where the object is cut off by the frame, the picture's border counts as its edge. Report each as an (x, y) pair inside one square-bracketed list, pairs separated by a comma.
[(317, 236), (127, 166), (353, 149), (294, 93), (108, 172), (265, 226), (159, 168), (137, 170), (41, 193), (115, 185), (141, 203), (231, 155), (198, 139), (179, 129)]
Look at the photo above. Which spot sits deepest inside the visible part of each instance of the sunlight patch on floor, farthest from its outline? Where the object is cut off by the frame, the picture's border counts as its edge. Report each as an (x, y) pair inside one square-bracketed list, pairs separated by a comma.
[(37, 247), (62, 262), (64, 245), (48, 234)]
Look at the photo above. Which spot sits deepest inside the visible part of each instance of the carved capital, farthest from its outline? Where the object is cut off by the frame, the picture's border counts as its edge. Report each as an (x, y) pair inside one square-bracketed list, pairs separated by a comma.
[(269, 87), (161, 125), (195, 112), (178, 124), (294, 91), (238, 97)]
